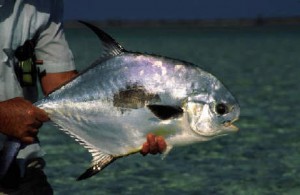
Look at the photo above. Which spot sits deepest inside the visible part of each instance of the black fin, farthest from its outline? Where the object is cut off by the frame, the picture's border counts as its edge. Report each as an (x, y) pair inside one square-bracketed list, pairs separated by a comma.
[(165, 112), (111, 47), (100, 161)]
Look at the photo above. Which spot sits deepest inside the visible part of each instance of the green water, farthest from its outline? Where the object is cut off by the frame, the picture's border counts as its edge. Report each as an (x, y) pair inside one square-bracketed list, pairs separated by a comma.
[(259, 65)]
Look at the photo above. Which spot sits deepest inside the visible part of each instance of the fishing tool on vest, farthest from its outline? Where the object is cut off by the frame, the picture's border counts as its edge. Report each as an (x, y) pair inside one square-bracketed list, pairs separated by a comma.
[(25, 67)]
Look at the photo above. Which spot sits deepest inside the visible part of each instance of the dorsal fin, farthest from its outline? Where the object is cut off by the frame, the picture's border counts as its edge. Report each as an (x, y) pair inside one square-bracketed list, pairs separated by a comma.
[(111, 47)]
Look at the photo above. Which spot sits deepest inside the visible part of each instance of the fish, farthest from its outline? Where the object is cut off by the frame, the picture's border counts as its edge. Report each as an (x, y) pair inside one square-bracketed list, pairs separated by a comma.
[(110, 107)]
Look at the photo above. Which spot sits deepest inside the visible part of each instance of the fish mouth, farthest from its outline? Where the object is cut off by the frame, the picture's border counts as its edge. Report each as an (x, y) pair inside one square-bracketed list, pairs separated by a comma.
[(230, 126)]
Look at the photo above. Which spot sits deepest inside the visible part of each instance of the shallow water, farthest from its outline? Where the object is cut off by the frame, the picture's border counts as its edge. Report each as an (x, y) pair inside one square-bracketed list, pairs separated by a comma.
[(260, 65)]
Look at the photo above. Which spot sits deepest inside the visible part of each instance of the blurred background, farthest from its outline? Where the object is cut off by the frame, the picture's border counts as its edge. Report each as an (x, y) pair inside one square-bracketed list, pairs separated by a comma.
[(178, 10), (251, 46)]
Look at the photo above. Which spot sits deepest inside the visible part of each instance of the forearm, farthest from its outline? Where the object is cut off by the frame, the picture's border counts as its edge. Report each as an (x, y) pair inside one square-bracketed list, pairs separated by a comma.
[(52, 81)]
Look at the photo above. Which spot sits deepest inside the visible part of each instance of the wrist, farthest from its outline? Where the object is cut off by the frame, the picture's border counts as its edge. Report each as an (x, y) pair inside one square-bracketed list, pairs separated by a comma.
[(3, 117)]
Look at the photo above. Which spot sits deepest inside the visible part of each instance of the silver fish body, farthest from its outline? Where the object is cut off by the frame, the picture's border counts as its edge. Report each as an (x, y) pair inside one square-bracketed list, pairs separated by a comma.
[(123, 96)]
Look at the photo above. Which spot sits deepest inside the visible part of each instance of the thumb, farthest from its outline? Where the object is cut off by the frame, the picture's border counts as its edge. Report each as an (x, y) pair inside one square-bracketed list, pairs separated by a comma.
[(41, 115)]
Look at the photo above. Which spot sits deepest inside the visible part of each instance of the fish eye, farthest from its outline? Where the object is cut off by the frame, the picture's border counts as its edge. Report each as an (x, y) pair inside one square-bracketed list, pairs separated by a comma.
[(221, 109)]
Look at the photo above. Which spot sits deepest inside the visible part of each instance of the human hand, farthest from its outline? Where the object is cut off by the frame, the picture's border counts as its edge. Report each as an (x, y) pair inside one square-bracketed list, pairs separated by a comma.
[(20, 119), (153, 145)]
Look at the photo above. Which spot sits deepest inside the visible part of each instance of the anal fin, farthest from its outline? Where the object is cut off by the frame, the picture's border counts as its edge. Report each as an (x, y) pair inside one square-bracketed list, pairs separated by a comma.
[(100, 161)]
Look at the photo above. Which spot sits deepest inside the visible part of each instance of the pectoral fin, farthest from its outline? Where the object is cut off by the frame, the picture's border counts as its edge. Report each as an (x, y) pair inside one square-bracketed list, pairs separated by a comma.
[(165, 112)]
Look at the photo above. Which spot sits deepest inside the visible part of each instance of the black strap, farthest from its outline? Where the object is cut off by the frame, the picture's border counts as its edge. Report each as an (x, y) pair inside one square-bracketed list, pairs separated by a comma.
[(26, 51)]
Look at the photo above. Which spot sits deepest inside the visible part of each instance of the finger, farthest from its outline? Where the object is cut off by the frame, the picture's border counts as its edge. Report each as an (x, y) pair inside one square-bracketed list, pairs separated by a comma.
[(162, 145), (36, 124), (27, 139), (150, 138), (145, 149), (41, 115), (153, 147), (32, 132), (151, 141)]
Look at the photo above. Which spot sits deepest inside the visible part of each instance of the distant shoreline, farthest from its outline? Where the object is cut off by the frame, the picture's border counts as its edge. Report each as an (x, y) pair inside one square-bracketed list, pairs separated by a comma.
[(242, 22)]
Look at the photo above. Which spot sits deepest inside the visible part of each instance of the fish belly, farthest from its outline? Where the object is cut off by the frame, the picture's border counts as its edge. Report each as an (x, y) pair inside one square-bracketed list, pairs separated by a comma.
[(108, 129)]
